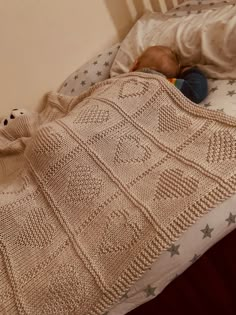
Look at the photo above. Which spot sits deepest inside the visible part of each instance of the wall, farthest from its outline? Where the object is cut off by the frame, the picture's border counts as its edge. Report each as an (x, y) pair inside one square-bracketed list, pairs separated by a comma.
[(42, 41)]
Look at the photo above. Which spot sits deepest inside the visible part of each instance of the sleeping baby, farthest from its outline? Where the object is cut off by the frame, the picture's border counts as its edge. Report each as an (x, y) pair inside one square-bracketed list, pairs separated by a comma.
[(163, 61)]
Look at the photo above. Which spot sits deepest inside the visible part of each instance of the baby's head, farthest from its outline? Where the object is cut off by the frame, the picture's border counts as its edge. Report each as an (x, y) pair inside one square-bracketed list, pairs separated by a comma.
[(159, 58)]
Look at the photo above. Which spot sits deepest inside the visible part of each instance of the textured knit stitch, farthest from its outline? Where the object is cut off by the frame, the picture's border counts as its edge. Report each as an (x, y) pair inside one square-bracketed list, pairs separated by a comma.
[(107, 182)]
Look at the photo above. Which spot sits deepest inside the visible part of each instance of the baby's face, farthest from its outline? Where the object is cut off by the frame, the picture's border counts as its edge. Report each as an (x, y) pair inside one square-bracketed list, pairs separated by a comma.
[(159, 58)]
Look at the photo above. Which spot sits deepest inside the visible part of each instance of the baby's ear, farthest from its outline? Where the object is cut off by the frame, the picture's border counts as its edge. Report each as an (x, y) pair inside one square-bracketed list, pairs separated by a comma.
[(135, 65)]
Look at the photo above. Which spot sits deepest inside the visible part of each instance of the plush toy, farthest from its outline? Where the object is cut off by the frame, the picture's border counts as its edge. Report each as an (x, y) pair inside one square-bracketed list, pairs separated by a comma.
[(14, 113)]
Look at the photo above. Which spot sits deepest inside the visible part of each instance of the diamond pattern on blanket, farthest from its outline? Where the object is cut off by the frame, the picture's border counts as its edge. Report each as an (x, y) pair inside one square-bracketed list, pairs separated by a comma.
[(222, 147), (168, 120), (66, 292), (131, 150), (37, 230), (83, 186), (173, 184), (92, 115)]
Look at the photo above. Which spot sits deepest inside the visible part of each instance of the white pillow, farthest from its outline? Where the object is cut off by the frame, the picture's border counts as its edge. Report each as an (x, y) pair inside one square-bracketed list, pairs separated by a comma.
[(206, 39)]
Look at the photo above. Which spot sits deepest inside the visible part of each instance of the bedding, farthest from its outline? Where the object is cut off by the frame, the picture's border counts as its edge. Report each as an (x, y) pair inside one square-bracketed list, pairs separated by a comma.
[(195, 37), (207, 287), (95, 70), (50, 263)]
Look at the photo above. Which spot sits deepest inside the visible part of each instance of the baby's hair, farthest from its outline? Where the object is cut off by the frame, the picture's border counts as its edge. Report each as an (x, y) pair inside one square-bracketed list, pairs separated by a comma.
[(176, 57), (159, 58)]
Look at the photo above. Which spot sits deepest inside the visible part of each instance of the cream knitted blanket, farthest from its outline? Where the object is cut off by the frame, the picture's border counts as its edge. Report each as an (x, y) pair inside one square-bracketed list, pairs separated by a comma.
[(109, 180)]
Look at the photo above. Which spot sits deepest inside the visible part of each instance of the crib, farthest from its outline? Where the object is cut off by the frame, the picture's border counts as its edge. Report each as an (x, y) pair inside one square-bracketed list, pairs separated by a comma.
[(172, 289)]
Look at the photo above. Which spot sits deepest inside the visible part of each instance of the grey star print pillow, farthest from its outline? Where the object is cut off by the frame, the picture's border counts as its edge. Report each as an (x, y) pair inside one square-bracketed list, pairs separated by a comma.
[(197, 6), (95, 70)]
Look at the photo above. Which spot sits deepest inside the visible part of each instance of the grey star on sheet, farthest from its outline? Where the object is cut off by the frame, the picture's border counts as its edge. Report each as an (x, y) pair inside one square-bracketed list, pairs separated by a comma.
[(195, 258), (207, 104), (125, 296), (76, 77), (231, 93), (106, 64), (231, 82), (99, 73), (150, 291), (85, 71), (83, 83), (174, 250), (231, 219), (214, 89), (72, 90), (207, 231), (110, 53), (95, 63)]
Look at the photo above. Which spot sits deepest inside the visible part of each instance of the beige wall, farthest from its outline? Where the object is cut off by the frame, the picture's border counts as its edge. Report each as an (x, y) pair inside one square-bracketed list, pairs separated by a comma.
[(42, 41)]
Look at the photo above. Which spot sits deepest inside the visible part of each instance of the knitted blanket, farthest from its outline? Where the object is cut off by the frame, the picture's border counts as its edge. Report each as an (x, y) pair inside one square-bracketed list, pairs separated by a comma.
[(93, 188)]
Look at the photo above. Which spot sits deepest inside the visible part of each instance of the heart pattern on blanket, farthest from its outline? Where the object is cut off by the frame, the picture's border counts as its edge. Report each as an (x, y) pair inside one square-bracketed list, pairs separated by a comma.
[(168, 120), (92, 115), (133, 88), (37, 231), (130, 150), (120, 233), (47, 141), (173, 184), (83, 186), (66, 293), (222, 147)]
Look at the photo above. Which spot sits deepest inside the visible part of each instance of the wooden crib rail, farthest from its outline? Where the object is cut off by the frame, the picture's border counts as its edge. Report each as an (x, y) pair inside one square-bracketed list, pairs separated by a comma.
[(124, 13), (165, 5)]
